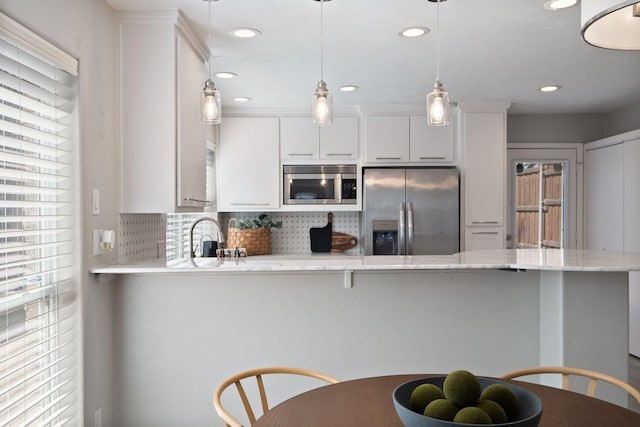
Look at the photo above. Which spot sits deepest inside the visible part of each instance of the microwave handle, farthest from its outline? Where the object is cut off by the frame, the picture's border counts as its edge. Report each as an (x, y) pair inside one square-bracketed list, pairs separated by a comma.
[(409, 228), (401, 231)]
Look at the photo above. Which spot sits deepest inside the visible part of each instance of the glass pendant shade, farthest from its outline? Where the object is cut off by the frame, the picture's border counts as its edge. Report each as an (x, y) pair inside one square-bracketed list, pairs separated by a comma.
[(438, 106), (611, 24), (210, 104), (322, 105)]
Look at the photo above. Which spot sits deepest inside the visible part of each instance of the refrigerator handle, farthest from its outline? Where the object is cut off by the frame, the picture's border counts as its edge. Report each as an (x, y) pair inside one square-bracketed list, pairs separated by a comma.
[(401, 231), (410, 228)]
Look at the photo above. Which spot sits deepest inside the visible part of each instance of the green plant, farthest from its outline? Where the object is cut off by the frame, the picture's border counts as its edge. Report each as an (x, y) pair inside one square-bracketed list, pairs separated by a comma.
[(263, 221)]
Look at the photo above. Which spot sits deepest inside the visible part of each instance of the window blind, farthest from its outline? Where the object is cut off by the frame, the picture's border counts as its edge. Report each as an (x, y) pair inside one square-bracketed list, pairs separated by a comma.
[(38, 134)]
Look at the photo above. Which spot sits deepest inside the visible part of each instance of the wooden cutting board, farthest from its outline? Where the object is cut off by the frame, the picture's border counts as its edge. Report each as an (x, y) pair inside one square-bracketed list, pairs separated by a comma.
[(342, 241)]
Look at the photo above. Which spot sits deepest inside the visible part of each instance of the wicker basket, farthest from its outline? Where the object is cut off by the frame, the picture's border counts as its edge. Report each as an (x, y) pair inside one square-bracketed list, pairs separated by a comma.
[(257, 241)]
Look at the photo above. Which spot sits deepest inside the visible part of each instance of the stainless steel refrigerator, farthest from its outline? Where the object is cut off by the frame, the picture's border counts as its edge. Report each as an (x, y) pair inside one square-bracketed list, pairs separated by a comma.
[(411, 211)]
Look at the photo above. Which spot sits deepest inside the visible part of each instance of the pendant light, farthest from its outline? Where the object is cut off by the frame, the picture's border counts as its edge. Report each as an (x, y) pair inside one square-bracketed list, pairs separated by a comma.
[(438, 99), (210, 103), (611, 24), (322, 99)]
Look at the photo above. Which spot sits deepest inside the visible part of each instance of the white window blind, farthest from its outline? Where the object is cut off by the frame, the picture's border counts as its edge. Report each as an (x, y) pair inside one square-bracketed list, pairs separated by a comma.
[(38, 134)]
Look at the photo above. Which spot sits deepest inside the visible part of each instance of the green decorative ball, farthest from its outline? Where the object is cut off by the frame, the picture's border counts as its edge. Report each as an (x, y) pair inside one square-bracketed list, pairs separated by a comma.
[(441, 409), (503, 396), (495, 411), (462, 388), (423, 395), (472, 415)]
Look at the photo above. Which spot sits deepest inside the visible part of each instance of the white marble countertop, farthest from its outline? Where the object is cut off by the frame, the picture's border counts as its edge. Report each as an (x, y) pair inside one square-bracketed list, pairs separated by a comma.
[(520, 259)]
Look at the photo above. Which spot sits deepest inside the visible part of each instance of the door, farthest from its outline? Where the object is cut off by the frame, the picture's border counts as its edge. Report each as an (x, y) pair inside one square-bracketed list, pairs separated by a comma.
[(384, 197), (543, 197), (433, 211)]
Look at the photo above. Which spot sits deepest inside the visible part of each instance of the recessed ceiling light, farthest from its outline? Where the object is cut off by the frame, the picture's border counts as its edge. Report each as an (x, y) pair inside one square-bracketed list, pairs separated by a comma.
[(245, 33), (411, 32), (559, 4), (349, 88), (242, 99), (226, 75), (549, 88)]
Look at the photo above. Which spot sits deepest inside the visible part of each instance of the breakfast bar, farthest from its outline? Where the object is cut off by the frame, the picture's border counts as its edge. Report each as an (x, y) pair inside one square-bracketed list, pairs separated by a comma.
[(489, 312)]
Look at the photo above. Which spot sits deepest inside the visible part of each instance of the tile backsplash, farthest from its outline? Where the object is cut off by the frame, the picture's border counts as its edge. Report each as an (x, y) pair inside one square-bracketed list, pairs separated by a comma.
[(151, 236)]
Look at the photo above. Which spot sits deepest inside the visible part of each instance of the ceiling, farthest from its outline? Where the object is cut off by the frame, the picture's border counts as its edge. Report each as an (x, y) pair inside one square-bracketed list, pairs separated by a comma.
[(498, 50)]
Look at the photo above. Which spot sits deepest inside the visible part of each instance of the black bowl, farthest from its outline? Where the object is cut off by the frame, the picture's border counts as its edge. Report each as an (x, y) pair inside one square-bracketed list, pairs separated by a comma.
[(529, 405)]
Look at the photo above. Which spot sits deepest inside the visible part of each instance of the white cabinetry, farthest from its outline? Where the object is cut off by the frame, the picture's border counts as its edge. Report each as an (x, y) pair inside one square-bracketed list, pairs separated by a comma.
[(404, 139), (430, 143), (387, 139), (613, 208), (484, 146), (248, 166), (303, 141), (604, 198), (163, 143)]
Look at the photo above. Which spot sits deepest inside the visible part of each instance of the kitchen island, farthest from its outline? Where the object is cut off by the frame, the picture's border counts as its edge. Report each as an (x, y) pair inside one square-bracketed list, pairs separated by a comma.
[(182, 328)]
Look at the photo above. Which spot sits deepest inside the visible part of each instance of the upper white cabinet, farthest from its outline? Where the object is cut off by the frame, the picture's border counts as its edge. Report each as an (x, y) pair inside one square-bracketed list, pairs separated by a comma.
[(248, 167), (339, 140), (387, 139), (484, 145), (403, 139), (430, 143), (163, 143), (303, 141)]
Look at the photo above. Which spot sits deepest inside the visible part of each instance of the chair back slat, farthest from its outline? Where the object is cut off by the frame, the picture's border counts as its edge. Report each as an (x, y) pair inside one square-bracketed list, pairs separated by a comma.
[(263, 394), (245, 402)]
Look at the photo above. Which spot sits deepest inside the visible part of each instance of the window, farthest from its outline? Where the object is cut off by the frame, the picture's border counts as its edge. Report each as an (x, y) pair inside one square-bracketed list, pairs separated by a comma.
[(38, 142)]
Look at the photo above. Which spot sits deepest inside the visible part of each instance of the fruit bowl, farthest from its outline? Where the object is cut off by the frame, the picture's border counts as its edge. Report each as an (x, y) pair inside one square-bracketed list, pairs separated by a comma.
[(529, 405)]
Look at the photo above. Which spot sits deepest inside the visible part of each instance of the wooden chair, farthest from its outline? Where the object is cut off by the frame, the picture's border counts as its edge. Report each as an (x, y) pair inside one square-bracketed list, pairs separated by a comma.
[(567, 371), (258, 374)]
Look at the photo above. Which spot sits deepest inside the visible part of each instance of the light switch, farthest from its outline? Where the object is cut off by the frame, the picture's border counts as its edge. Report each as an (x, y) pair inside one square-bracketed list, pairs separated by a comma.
[(95, 202)]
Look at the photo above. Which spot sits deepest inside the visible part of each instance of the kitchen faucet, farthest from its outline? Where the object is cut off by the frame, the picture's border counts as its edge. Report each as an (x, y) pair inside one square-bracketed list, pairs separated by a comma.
[(192, 253)]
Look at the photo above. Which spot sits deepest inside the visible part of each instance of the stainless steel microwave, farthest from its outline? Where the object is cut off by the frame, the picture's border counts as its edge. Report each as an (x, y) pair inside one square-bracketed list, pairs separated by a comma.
[(319, 184)]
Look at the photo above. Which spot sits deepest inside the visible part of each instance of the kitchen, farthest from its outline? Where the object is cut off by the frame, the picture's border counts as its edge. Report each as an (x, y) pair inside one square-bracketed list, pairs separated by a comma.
[(87, 30)]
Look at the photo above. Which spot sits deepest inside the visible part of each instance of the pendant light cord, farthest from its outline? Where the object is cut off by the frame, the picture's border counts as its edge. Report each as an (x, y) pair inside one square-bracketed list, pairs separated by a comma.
[(321, 42), (438, 42), (209, 38)]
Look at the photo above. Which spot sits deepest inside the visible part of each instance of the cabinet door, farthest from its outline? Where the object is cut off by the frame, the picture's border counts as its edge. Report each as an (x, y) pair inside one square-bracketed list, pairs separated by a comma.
[(340, 139), (483, 238), (248, 164), (604, 198), (430, 143), (387, 139), (191, 134), (484, 168), (299, 139)]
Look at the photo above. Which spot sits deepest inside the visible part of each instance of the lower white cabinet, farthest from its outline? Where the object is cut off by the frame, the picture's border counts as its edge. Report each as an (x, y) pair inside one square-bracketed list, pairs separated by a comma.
[(248, 164), (483, 238)]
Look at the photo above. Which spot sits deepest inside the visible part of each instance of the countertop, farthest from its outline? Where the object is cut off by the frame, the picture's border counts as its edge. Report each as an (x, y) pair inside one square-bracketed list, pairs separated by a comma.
[(508, 259)]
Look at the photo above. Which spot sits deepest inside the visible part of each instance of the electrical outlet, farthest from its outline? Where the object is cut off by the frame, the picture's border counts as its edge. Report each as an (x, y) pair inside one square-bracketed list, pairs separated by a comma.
[(97, 239), (97, 422)]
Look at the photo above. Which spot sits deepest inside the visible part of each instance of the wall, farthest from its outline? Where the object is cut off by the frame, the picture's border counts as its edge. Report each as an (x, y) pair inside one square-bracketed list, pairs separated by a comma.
[(178, 339), (623, 120), (85, 29), (551, 128)]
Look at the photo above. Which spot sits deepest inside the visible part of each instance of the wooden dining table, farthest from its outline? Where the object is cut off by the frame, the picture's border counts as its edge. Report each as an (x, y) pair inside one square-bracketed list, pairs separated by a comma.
[(367, 402)]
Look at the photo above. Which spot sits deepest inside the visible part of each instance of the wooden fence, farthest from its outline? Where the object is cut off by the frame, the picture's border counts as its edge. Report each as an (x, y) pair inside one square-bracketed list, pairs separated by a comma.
[(531, 202)]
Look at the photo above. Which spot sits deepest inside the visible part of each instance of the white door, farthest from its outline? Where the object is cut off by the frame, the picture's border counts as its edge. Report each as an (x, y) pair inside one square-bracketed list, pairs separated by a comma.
[(569, 161)]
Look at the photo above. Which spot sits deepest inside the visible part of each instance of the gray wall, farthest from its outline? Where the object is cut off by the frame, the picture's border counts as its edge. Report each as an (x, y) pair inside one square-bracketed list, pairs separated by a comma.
[(555, 128), (623, 120), (85, 29)]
